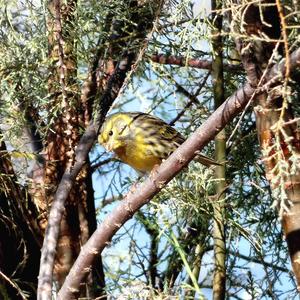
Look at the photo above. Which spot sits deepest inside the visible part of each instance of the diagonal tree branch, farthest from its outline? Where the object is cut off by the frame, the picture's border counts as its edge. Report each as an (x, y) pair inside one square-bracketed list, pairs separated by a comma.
[(134, 201), (167, 170)]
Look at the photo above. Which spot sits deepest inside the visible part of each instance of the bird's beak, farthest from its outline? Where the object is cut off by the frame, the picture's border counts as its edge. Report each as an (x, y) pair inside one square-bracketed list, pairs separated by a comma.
[(112, 145), (108, 146)]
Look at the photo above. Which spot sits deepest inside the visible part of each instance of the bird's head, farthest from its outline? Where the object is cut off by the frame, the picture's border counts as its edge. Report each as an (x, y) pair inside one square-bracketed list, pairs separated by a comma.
[(114, 132)]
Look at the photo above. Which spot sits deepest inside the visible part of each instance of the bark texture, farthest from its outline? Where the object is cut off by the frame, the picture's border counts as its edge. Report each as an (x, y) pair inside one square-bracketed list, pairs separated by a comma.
[(103, 84), (276, 125)]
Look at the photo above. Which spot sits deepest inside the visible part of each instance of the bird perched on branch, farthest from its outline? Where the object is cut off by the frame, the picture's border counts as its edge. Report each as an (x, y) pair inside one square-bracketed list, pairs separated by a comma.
[(142, 140)]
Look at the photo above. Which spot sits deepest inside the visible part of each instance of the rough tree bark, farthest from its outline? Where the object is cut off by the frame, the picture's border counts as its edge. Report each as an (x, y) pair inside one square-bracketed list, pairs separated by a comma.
[(61, 139), (63, 135), (276, 125), (111, 75)]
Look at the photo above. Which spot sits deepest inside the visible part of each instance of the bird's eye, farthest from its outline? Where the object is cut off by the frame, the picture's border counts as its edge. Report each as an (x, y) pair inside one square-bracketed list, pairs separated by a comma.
[(110, 133)]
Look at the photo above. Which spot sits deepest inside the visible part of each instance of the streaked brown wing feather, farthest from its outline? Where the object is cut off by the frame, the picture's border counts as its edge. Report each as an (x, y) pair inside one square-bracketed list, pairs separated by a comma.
[(162, 138)]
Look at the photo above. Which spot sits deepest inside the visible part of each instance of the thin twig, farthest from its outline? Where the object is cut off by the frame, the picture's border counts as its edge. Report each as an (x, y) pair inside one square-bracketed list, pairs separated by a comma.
[(22, 295), (182, 61)]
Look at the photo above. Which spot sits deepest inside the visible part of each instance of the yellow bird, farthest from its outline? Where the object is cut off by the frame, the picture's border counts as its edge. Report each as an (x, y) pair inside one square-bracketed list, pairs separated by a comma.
[(141, 140)]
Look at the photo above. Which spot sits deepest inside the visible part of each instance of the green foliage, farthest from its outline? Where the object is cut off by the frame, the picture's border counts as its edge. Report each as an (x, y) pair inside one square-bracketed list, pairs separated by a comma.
[(252, 228), (175, 230)]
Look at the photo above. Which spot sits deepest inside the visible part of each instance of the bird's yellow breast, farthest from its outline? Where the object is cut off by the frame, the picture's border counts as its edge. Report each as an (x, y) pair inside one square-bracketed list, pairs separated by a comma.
[(138, 155)]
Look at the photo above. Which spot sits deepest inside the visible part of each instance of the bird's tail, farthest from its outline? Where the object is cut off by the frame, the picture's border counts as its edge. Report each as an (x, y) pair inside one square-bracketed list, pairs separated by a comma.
[(206, 161)]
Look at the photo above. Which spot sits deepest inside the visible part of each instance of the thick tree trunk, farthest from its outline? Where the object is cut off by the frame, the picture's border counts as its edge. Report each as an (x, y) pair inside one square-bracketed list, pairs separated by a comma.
[(120, 51), (280, 145), (61, 141), (276, 126)]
